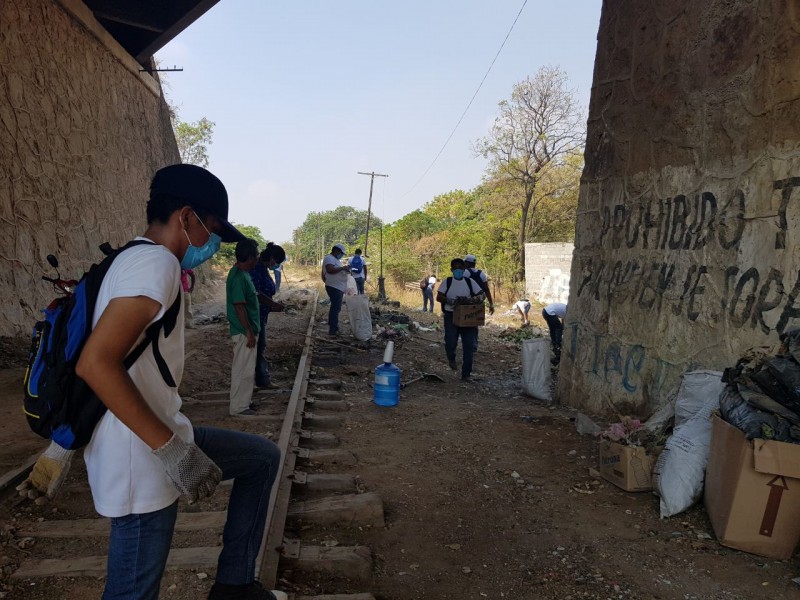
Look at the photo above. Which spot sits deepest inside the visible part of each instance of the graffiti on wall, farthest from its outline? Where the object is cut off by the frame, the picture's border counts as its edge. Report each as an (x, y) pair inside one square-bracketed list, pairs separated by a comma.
[(739, 294), (555, 287)]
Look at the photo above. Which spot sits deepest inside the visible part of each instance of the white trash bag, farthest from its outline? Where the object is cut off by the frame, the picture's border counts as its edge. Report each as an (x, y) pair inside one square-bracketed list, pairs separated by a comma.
[(352, 288), (360, 319), (696, 388), (536, 379), (680, 470)]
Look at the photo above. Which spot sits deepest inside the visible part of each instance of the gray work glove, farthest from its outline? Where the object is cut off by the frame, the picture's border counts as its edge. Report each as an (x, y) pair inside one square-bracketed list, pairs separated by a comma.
[(193, 473), (47, 475)]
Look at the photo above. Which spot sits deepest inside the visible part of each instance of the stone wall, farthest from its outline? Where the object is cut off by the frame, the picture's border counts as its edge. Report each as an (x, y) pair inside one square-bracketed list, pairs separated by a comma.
[(547, 267), (687, 247), (80, 137)]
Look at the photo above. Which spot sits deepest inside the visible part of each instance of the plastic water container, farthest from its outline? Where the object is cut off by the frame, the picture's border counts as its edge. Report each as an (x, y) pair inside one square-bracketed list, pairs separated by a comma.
[(387, 380)]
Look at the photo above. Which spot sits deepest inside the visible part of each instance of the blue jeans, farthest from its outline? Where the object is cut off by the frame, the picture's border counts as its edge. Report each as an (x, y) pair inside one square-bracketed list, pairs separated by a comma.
[(277, 281), (556, 327), (336, 306), (359, 284), (451, 333), (139, 543), (262, 372), (427, 296)]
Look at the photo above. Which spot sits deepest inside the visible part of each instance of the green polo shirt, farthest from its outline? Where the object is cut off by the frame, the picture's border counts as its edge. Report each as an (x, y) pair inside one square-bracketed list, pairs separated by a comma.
[(239, 288)]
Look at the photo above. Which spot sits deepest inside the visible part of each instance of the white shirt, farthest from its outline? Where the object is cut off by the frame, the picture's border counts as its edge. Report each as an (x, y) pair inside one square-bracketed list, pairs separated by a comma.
[(335, 280), (459, 288), (556, 309), (523, 305), (124, 474), (431, 283)]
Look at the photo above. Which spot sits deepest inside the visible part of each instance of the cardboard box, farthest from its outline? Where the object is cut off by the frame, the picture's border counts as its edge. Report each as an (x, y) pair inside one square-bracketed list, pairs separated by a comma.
[(469, 315), (627, 467), (752, 492)]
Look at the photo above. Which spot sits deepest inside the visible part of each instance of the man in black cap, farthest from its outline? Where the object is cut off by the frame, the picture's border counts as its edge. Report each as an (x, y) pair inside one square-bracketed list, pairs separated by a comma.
[(144, 452)]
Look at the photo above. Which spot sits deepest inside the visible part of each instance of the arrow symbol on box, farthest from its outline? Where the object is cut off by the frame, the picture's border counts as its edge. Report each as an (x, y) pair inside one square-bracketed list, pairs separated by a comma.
[(773, 504)]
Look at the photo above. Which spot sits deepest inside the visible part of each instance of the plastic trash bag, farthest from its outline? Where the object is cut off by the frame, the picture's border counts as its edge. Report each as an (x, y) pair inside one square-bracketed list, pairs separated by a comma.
[(352, 288), (681, 468), (753, 422), (779, 378), (536, 380), (697, 388), (360, 319)]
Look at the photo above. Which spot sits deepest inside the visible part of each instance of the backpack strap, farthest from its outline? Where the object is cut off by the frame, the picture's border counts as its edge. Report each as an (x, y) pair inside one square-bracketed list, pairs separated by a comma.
[(469, 285), (167, 322)]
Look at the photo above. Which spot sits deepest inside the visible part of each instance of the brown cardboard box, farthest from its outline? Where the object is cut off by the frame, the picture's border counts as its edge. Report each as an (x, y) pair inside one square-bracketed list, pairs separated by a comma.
[(627, 467), (752, 492), (469, 315)]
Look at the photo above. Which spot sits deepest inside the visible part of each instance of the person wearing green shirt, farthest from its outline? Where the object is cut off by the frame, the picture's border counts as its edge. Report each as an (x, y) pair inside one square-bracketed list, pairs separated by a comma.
[(243, 316)]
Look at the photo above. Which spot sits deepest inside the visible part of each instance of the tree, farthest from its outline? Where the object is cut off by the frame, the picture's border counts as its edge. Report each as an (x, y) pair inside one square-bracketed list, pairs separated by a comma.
[(193, 140), (321, 230), (226, 256), (535, 130)]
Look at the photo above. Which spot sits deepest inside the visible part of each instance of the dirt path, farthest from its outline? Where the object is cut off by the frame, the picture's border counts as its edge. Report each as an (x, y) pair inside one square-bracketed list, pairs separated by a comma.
[(487, 493)]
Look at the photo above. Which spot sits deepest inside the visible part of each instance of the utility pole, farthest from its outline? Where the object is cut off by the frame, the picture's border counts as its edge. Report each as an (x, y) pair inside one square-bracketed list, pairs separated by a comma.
[(372, 177)]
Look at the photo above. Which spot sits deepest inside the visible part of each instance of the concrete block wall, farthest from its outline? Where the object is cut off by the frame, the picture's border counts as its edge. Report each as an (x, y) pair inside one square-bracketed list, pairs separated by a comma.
[(80, 137), (687, 248), (547, 271)]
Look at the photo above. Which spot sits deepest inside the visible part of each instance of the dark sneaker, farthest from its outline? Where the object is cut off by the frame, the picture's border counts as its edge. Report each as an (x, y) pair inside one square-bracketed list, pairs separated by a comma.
[(452, 363), (251, 591), (268, 386)]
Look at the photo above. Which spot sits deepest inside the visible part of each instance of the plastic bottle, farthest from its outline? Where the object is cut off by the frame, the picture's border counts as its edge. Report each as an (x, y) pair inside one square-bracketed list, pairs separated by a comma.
[(387, 380)]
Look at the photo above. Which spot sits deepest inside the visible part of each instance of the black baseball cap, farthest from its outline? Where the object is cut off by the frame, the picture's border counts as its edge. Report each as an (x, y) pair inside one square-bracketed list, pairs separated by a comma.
[(201, 189)]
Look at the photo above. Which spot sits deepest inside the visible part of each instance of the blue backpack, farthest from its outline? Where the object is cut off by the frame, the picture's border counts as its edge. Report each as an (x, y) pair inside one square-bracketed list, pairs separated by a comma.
[(58, 404), (356, 265)]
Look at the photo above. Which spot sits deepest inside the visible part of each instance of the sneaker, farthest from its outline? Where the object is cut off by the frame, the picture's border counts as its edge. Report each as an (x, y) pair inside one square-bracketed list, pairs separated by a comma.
[(253, 406), (269, 386), (251, 591), (452, 363), (466, 378)]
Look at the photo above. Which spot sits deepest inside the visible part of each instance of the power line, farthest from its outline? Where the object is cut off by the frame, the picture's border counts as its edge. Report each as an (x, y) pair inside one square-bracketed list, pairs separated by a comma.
[(480, 85)]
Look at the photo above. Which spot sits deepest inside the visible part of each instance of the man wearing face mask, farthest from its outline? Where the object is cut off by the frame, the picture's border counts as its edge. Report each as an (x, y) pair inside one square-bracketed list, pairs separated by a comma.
[(334, 274), (269, 260), (456, 290), (144, 453)]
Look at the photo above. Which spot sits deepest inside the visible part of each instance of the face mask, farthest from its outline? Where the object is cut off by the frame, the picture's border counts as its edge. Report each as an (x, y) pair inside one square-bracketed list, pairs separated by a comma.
[(195, 256), (458, 273)]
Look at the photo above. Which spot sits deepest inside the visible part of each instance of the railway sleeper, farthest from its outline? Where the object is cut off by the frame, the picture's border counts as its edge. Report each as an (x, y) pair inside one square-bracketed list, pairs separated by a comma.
[(318, 439), (332, 384), (316, 421), (323, 482), (331, 405), (337, 597), (330, 456), (349, 510), (353, 563), (327, 395)]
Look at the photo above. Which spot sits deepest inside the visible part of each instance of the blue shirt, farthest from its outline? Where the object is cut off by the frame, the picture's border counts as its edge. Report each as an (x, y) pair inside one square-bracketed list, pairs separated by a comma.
[(263, 283)]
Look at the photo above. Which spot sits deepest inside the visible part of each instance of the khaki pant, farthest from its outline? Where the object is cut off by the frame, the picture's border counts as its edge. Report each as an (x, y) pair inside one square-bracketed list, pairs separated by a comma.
[(242, 374)]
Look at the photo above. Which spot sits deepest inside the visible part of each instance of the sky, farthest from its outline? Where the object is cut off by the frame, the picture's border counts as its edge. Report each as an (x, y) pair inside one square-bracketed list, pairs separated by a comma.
[(306, 93)]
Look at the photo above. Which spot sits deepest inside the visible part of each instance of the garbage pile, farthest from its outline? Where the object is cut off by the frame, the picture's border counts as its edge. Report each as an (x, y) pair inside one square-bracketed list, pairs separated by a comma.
[(390, 324)]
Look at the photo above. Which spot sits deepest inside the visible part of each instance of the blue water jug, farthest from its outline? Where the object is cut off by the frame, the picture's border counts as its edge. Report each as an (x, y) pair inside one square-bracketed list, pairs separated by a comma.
[(387, 380)]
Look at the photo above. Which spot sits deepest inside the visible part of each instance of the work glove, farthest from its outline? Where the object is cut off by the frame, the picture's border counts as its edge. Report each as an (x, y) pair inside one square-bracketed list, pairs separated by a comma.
[(47, 475), (193, 473)]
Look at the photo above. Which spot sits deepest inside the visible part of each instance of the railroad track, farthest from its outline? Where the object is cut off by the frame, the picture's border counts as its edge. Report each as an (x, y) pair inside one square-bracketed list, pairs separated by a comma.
[(58, 551)]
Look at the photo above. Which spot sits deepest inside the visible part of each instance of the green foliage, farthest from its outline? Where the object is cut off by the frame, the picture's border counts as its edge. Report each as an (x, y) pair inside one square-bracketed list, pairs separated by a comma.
[(344, 224), (226, 257), (193, 140)]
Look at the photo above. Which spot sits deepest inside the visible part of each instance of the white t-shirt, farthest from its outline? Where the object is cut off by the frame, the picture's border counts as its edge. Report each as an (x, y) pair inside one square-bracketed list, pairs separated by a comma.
[(124, 474), (335, 280), (431, 283), (523, 305), (459, 288), (557, 309)]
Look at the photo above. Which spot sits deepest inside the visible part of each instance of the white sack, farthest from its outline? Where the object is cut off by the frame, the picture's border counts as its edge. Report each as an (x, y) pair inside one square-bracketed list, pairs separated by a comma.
[(352, 288), (697, 388), (536, 369), (360, 319)]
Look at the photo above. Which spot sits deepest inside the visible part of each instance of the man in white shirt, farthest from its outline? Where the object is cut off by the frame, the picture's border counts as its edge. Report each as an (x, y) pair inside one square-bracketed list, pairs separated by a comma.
[(334, 274), (144, 453), (456, 290), (554, 315), (470, 262)]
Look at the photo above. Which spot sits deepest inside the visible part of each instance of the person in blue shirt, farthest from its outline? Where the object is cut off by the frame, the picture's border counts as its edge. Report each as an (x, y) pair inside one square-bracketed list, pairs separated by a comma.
[(358, 268), (269, 259)]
